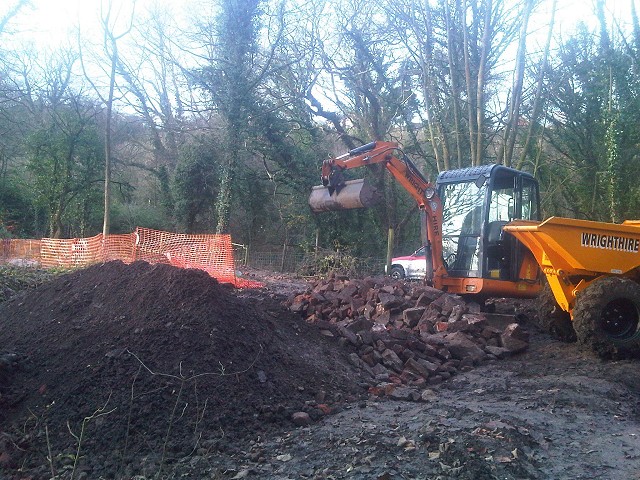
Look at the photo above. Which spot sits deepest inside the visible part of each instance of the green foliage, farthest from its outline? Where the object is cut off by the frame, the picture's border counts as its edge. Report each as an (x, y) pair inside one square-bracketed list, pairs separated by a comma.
[(325, 263), (16, 209), (195, 186), (4, 232), (393, 71), (594, 116), (164, 180), (355, 230), (125, 217), (230, 80), (65, 159)]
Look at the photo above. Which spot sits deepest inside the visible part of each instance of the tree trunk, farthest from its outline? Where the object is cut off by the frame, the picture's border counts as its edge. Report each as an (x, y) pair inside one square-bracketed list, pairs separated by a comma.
[(605, 41), (223, 202), (469, 87), (538, 100), (636, 27), (482, 73), (429, 93), (106, 224), (511, 127), (455, 92)]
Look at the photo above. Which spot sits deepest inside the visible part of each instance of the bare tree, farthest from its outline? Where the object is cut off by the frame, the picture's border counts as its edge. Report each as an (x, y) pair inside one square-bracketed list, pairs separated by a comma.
[(538, 101), (417, 32), (11, 13), (110, 18), (156, 83), (55, 137), (510, 132), (458, 47)]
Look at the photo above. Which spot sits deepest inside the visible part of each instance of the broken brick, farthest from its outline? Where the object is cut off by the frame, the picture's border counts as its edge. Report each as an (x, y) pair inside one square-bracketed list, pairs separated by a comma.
[(460, 347), (514, 338), (411, 316), (391, 360)]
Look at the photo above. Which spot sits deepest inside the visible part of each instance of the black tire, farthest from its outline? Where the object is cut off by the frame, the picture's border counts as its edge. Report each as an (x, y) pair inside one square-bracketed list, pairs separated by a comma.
[(551, 318), (397, 272), (606, 317)]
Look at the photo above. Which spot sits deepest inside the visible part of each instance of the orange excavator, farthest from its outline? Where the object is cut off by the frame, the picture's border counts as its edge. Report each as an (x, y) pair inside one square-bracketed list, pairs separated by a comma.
[(484, 237)]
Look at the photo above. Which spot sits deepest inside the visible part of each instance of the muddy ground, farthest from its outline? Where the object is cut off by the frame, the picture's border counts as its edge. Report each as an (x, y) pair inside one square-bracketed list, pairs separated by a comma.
[(140, 371)]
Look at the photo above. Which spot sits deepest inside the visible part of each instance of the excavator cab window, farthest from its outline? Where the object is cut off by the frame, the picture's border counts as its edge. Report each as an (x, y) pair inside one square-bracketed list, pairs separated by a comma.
[(463, 215), (530, 209), (512, 195)]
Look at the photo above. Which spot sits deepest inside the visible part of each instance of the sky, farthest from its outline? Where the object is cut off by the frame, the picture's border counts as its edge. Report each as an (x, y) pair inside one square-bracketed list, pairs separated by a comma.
[(51, 22), (47, 24)]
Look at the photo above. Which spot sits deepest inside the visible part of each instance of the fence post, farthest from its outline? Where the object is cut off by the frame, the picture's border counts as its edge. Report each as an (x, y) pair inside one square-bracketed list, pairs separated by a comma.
[(389, 250), (284, 255)]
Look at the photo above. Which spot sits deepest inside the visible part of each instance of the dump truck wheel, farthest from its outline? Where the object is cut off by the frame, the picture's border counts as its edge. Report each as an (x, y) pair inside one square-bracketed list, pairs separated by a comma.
[(551, 318), (607, 317), (397, 273)]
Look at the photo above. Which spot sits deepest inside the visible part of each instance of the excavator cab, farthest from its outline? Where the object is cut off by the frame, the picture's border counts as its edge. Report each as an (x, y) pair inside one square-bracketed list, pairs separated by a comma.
[(477, 202)]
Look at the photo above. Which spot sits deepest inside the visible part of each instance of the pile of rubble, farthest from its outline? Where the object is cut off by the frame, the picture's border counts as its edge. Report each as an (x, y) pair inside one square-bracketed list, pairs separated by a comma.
[(406, 336)]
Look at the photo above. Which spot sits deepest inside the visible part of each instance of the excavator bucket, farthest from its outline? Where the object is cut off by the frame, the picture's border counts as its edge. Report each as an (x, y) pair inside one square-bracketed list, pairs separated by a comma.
[(352, 194)]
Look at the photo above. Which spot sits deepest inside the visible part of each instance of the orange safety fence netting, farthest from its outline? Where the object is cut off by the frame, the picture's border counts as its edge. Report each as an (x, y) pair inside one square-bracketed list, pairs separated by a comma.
[(120, 247), (19, 251), (73, 252), (208, 252)]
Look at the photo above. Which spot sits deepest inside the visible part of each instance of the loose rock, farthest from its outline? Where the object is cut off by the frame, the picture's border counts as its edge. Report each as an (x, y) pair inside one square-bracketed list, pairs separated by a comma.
[(405, 332)]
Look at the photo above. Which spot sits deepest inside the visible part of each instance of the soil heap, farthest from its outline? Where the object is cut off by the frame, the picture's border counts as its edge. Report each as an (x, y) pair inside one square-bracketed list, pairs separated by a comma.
[(120, 370)]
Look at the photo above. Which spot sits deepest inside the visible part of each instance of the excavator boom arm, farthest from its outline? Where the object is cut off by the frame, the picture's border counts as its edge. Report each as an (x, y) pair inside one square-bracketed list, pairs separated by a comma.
[(406, 173)]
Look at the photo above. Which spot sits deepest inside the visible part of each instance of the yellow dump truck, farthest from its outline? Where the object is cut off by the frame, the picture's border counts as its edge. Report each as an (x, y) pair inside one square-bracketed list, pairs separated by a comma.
[(483, 237), (592, 269)]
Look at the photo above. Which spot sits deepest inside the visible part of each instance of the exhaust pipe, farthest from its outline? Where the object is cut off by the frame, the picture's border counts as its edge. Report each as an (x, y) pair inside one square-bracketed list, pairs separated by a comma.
[(352, 194)]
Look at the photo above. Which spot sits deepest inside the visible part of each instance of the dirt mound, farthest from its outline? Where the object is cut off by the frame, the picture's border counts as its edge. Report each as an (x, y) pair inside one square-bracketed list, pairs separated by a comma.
[(122, 369)]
